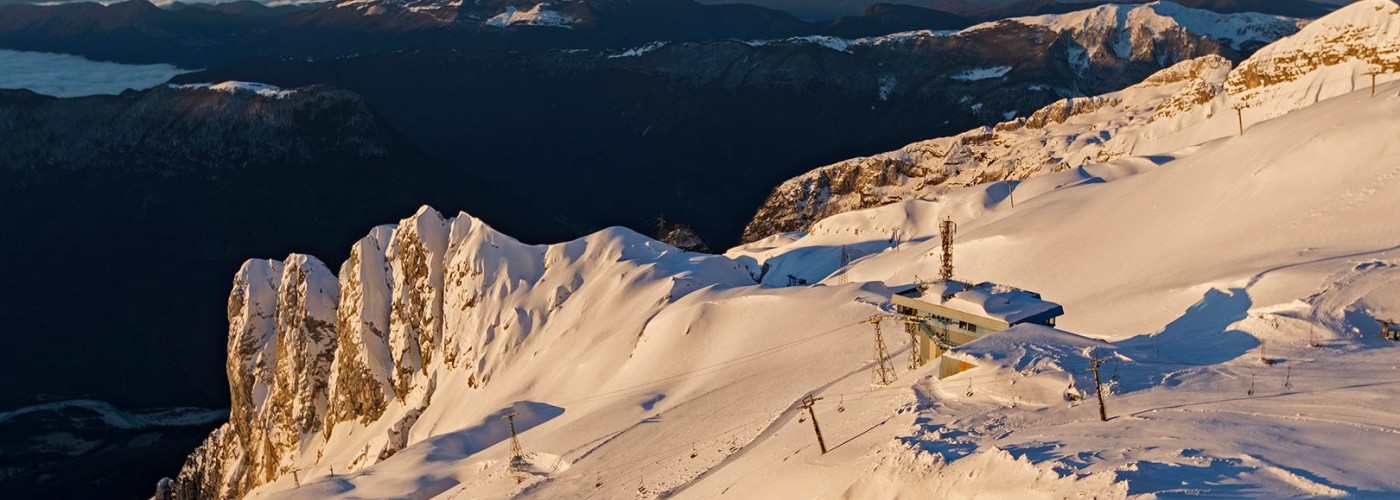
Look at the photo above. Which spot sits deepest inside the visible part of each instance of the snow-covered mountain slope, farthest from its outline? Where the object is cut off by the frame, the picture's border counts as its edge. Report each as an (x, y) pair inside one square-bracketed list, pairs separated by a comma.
[(1326, 58), (1121, 27), (1330, 57), (1213, 274), (1061, 136), (636, 369)]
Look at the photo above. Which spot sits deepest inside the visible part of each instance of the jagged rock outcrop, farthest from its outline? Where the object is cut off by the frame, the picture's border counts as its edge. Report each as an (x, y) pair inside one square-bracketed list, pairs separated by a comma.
[(281, 345), (318, 362), (415, 258), (682, 236), (362, 377), (222, 466), (306, 345)]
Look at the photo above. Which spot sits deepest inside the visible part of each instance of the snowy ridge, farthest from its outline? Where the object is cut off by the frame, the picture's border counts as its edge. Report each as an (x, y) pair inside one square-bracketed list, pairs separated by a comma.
[(1116, 31), (1127, 28), (1155, 20), (973, 75), (830, 42), (350, 367), (1159, 114), (1328, 58), (261, 89), (538, 15)]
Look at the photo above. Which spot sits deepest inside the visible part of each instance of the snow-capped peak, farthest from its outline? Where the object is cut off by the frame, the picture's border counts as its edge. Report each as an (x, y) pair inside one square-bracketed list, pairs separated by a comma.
[(1157, 18), (539, 15), (234, 87)]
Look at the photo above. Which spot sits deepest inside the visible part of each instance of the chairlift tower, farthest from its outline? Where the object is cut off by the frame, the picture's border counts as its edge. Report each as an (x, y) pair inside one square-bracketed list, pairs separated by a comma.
[(517, 454), (882, 372)]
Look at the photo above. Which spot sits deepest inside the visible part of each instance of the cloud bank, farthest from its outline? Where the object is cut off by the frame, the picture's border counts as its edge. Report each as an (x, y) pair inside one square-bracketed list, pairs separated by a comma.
[(64, 75)]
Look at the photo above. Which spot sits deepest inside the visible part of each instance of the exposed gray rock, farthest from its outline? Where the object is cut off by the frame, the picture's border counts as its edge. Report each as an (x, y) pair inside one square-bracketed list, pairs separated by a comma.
[(362, 375), (415, 258)]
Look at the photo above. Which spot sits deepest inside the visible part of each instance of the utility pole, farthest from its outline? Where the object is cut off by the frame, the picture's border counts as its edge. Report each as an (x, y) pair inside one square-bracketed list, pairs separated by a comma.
[(1098, 386), (1011, 192), (1373, 72), (807, 403), (1239, 113), (517, 454), (882, 372), (947, 227)]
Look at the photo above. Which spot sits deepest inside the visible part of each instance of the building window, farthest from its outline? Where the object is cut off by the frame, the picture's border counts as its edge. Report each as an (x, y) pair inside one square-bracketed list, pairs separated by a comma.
[(967, 326)]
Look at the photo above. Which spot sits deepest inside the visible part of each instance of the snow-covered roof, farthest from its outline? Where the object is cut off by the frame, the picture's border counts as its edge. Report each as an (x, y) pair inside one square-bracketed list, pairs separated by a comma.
[(991, 300)]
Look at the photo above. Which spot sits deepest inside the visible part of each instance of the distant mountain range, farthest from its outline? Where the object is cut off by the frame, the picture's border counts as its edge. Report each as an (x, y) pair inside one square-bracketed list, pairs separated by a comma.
[(999, 9), (197, 35)]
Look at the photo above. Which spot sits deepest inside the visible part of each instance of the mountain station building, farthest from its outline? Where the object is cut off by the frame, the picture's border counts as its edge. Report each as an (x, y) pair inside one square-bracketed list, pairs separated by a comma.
[(948, 314)]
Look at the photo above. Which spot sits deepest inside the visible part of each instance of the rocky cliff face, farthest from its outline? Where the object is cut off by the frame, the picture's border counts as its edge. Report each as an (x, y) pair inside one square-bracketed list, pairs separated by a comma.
[(317, 362), (280, 317), (362, 380), (1328, 57)]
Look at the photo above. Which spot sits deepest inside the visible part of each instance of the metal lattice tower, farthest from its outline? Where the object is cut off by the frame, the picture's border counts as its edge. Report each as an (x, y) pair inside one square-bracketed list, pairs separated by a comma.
[(882, 373), (911, 327), (517, 454), (947, 227)]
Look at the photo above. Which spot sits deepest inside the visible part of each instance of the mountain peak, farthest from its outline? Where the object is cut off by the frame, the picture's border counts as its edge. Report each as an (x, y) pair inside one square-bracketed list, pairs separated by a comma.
[(1240, 31)]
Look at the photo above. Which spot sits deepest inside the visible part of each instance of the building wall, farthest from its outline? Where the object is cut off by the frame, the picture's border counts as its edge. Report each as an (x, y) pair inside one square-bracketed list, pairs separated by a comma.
[(940, 321)]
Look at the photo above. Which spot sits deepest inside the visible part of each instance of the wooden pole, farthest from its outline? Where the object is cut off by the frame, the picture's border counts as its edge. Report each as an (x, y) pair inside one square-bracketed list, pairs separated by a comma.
[(1239, 114), (807, 403), (1098, 387)]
